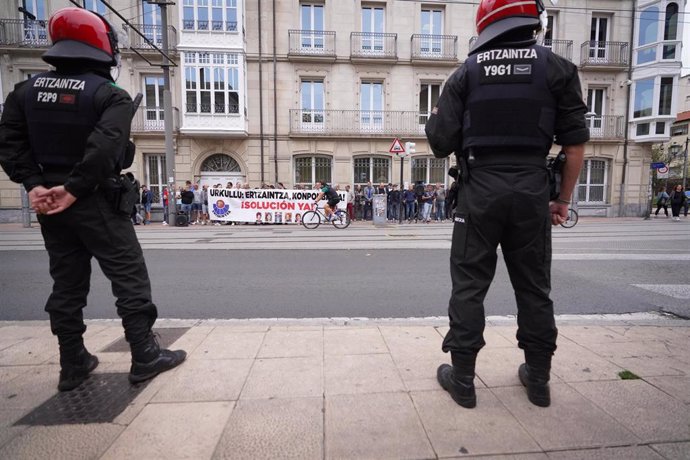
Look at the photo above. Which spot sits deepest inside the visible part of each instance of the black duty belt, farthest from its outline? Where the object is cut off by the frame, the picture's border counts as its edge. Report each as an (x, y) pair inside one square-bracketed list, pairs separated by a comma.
[(503, 158)]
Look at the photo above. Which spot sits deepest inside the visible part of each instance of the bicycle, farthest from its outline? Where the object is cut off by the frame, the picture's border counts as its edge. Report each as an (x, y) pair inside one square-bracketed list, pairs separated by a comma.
[(571, 219), (312, 219)]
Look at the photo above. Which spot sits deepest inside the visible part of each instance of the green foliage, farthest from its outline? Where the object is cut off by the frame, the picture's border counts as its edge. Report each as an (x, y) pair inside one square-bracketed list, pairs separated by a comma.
[(627, 375)]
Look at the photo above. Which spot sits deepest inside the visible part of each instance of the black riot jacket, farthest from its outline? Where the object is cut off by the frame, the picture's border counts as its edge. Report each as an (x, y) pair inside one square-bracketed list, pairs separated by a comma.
[(30, 154), (448, 122)]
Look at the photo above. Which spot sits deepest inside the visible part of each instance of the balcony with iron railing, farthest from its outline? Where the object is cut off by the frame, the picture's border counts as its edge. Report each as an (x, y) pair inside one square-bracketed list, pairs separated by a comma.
[(435, 48), (154, 34), (346, 123), (152, 120), (604, 55), (23, 33), (563, 48), (311, 45), (365, 46), (606, 127)]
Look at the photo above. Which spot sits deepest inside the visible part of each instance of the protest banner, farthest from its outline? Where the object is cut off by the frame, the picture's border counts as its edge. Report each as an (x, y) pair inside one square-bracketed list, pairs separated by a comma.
[(270, 206)]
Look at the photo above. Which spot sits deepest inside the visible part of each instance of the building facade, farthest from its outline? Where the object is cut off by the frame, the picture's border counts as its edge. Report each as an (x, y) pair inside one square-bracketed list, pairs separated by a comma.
[(296, 91)]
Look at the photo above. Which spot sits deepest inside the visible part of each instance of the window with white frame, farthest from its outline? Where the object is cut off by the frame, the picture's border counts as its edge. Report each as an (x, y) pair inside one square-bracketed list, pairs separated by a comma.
[(152, 27), (211, 83), (97, 6), (374, 169), (35, 31), (593, 183), (431, 29), (371, 105), (309, 169), (653, 97), (153, 101), (373, 26), (428, 98), (596, 98), (657, 26), (429, 170), (155, 174), (312, 102), (215, 15), (598, 36), (312, 25)]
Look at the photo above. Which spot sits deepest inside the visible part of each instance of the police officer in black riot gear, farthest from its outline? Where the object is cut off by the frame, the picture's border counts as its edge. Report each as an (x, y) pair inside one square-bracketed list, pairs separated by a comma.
[(499, 113), (64, 134)]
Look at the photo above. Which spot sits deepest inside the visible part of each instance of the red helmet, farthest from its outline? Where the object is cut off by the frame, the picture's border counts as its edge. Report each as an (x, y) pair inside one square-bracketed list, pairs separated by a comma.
[(77, 33), (496, 17)]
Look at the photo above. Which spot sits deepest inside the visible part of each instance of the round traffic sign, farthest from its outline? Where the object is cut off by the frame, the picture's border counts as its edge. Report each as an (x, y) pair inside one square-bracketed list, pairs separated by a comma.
[(662, 170)]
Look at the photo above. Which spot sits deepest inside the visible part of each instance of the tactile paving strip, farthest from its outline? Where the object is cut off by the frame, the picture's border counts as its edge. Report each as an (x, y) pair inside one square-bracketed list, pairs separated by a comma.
[(166, 337), (100, 399)]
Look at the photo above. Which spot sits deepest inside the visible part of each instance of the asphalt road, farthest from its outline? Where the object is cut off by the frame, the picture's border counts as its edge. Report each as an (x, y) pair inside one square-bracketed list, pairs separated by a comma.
[(374, 283)]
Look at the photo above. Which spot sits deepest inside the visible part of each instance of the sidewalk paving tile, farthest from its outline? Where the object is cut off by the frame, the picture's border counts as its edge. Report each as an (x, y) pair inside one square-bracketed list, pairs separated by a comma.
[(608, 453), (631, 349), (676, 386), (9, 373), (648, 412), (273, 428), (191, 339), (530, 456), (665, 333), (590, 335), (352, 374), (419, 372), (32, 351), (24, 332), (166, 431), (572, 421), (284, 378), (290, 344), (407, 341), (498, 367), (144, 398), (206, 380), (487, 429), (653, 366), (495, 339), (30, 389), (674, 450), (103, 338), (507, 332), (353, 341), (225, 343), (7, 419), (62, 442), (573, 363), (363, 426)]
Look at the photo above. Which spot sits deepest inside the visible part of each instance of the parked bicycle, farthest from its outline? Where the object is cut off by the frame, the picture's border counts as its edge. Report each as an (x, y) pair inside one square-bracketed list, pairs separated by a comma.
[(571, 219), (312, 219)]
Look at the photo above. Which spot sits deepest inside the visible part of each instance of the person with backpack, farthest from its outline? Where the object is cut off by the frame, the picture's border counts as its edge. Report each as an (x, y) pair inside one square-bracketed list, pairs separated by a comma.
[(661, 201), (332, 197)]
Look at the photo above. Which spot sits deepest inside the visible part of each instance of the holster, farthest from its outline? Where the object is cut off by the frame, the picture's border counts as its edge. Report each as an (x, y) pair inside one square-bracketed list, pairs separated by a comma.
[(554, 167), (121, 192)]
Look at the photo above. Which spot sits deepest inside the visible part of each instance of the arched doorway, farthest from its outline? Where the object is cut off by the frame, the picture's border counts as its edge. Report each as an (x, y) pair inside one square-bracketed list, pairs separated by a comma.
[(220, 168)]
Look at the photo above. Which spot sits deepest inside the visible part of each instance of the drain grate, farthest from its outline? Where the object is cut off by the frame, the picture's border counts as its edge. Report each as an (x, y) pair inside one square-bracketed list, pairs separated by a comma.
[(168, 335), (100, 399)]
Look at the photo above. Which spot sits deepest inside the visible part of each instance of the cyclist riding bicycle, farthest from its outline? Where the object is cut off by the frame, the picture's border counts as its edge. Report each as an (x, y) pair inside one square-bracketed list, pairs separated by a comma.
[(328, 192)]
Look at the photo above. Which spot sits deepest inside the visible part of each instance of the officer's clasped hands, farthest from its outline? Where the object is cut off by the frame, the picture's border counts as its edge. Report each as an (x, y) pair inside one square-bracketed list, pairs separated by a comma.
[(50, 201)]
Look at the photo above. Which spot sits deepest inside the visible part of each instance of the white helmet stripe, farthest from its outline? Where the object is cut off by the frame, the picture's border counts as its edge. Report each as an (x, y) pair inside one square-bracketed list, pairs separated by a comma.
[(511, 5)]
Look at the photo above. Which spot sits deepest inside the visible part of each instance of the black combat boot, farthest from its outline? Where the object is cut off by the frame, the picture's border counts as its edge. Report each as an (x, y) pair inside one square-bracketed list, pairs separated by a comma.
[(149, 360), (75, 368), (460, 387), (537, 383)]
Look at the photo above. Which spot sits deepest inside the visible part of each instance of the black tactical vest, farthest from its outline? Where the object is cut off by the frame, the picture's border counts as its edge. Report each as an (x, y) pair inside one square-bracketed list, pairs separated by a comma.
[(508, 106), (61, 116)]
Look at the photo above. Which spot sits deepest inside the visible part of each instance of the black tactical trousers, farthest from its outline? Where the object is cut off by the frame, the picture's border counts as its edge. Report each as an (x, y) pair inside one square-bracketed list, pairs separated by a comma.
[(506, 205), (92, 228)]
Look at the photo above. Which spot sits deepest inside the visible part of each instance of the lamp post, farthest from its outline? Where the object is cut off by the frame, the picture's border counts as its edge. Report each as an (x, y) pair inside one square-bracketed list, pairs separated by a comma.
[(674, 150)]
